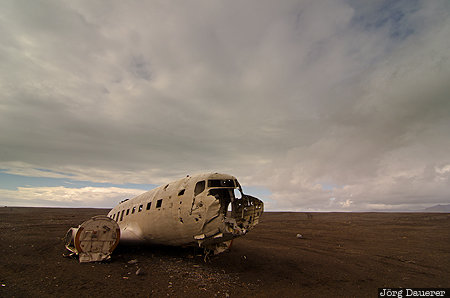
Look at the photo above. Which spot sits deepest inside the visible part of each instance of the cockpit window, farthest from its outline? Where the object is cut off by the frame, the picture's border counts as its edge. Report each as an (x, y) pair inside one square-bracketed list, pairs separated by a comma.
[(199, 187), (221, 183)]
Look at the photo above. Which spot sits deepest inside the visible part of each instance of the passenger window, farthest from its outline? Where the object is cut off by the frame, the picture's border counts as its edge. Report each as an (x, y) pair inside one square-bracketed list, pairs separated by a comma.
[(199, 188), (128, 212), (158, 203), (121, 215), (134, 209), (140, 208), (117, 216), (181, 192), (149, 204)]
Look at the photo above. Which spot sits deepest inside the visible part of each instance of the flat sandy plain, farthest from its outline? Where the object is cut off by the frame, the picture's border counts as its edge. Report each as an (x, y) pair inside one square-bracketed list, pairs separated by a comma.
[(340, 255)]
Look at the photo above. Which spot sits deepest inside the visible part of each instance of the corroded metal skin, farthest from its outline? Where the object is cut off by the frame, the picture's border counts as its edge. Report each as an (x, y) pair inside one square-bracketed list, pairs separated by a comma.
[(208, 210)]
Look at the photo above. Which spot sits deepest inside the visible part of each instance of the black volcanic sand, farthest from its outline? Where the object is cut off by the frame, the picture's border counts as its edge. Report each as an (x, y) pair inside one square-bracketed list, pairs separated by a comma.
[(339, 254)]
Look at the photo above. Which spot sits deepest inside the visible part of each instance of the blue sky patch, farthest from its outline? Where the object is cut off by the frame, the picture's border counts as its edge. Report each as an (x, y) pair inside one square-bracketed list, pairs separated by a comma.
[(12, 182), (389, 14)]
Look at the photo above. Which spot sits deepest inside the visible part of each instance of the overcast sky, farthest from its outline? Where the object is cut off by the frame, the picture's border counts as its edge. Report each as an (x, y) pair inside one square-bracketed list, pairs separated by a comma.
[(312, 105)]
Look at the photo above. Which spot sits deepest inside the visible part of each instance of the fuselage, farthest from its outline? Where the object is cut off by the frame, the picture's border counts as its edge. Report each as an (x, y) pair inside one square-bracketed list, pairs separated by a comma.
[(206, 209)]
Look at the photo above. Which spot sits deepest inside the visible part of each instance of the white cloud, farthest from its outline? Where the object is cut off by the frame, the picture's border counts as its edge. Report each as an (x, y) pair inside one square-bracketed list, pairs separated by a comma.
[(443, 170), (285, 95), (347, 203), (67, 197)]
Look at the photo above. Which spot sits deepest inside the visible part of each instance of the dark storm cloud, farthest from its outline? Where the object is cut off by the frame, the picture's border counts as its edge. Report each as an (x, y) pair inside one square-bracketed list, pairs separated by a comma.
[(292, 96)]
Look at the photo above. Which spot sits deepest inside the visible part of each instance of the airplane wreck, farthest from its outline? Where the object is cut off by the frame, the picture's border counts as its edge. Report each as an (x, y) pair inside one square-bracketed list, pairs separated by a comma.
[(206, 210)]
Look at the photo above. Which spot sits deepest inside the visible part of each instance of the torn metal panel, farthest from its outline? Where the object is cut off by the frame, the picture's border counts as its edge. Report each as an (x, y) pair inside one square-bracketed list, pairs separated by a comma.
[(244, 216), (93, 240)]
